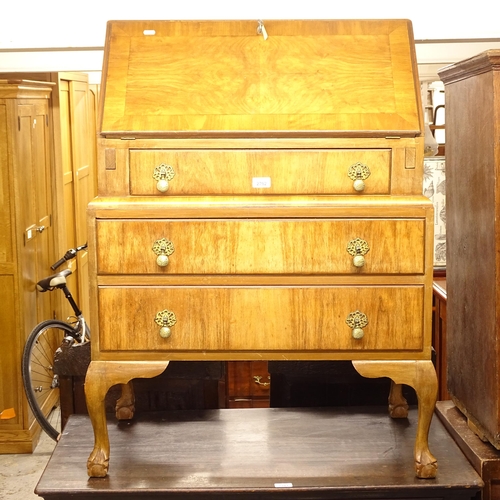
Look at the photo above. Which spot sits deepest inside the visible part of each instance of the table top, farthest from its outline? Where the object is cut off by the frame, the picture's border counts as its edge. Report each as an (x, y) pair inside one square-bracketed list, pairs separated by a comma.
[(312, 453), (439, 287)]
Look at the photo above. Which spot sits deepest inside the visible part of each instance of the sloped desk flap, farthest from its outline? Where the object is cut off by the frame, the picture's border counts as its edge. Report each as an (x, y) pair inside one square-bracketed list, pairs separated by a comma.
[(233, 78)]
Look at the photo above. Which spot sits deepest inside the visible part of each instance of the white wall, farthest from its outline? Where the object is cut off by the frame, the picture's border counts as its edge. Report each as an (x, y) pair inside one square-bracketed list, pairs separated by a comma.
[(57, 28), (66, 23)]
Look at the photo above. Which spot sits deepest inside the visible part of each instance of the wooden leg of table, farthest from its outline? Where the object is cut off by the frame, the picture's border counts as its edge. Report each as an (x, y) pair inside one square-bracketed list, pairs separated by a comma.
[(420, 375), (101, 375), (125, 406), (398, 406)]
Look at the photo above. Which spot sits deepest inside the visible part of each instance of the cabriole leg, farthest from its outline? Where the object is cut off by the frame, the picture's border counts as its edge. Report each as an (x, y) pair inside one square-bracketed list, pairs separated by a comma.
[(125, 406), (101, 375), (398, 406), (420, 375)]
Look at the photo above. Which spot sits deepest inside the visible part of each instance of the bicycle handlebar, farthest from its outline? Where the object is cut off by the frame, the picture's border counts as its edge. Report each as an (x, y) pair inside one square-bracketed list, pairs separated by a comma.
[(70, 254)]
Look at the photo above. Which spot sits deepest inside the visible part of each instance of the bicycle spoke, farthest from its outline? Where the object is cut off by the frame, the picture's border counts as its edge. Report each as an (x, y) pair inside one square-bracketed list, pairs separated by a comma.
[(40, 383), (38, 373)]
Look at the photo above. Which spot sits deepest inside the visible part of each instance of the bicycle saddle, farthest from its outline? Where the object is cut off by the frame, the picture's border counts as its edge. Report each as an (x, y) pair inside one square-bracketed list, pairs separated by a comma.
[(55, 281)]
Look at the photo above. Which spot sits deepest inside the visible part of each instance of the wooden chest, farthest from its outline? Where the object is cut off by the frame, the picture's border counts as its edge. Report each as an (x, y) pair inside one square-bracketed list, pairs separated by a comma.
[(473, 233), (260, 199)]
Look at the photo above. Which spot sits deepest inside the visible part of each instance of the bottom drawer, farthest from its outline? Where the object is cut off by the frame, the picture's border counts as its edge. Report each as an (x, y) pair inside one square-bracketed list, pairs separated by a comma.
[(261, 318)]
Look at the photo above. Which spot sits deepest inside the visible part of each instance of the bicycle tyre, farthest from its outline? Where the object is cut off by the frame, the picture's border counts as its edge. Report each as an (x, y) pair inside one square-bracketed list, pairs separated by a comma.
[(37, 371)]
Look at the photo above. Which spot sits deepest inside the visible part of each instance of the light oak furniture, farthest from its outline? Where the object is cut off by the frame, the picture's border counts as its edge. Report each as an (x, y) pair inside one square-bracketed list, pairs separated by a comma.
[(258, 454), (473, 239), (50, 167), (72, 121), (260, 198), (75, 158), (26, 244)]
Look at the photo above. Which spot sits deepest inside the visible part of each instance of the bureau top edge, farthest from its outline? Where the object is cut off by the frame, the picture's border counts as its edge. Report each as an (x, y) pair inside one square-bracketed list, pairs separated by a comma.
[(260, 134)]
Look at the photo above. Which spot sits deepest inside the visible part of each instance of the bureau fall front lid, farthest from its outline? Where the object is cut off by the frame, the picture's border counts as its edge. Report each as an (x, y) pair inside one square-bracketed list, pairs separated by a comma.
[(252, 78)]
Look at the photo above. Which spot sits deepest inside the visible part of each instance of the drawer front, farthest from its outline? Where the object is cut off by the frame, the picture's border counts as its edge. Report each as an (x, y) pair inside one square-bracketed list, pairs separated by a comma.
[(261, 318), (304, 246), (226, 172)]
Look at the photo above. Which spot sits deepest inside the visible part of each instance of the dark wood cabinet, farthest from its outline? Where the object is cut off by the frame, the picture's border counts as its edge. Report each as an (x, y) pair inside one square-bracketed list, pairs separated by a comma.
[(248, 384), (473, 239), (439, 336)]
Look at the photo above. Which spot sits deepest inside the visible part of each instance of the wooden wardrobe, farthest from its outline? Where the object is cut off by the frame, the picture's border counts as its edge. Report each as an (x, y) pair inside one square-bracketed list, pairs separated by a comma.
[(26, 243), (72, 118), (61, 157)]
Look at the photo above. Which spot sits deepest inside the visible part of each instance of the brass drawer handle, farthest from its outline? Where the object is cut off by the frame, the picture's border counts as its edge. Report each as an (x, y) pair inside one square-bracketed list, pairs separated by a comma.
[(165, 319), (162, 174), (358, 172), (163, 248), (357, 321), (358, 248), (258, 378)]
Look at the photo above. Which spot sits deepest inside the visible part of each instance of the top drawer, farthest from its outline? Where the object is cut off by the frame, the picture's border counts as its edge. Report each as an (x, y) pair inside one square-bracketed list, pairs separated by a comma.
[(243, 172)]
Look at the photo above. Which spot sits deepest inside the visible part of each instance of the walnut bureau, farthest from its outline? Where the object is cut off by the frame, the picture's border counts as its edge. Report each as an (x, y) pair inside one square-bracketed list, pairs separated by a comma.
[(260, 199)]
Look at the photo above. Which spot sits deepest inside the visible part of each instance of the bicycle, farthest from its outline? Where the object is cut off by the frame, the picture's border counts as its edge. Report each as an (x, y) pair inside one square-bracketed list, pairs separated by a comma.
[(40, 381)]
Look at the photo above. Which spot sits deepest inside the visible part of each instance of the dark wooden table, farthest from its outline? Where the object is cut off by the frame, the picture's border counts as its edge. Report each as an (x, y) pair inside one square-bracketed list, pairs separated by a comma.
[(484, 457), (271, 453)]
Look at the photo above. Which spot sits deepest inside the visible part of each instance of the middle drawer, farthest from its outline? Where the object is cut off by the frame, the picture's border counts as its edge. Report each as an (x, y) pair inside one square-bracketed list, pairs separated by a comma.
[(261, 246)]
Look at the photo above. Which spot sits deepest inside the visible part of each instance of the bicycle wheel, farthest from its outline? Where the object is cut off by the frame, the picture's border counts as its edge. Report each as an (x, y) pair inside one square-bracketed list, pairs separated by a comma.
[(40, 384)]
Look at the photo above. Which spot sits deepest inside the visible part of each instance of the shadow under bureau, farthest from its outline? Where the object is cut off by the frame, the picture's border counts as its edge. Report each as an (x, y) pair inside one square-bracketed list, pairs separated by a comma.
[(260, 199)]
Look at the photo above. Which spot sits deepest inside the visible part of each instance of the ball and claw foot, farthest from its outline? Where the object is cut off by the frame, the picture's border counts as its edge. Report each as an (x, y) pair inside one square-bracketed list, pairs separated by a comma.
[(398, 410), (426, 471), (124, 412), (97, 464), (425, 464), (125, 405)]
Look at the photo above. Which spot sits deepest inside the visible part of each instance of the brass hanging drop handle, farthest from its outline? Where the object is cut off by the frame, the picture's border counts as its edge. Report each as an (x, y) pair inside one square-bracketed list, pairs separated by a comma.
[(358, 248), (357, 321), (163, 248), (162, 174), (358, 172), (258, 378), (165, 320)]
